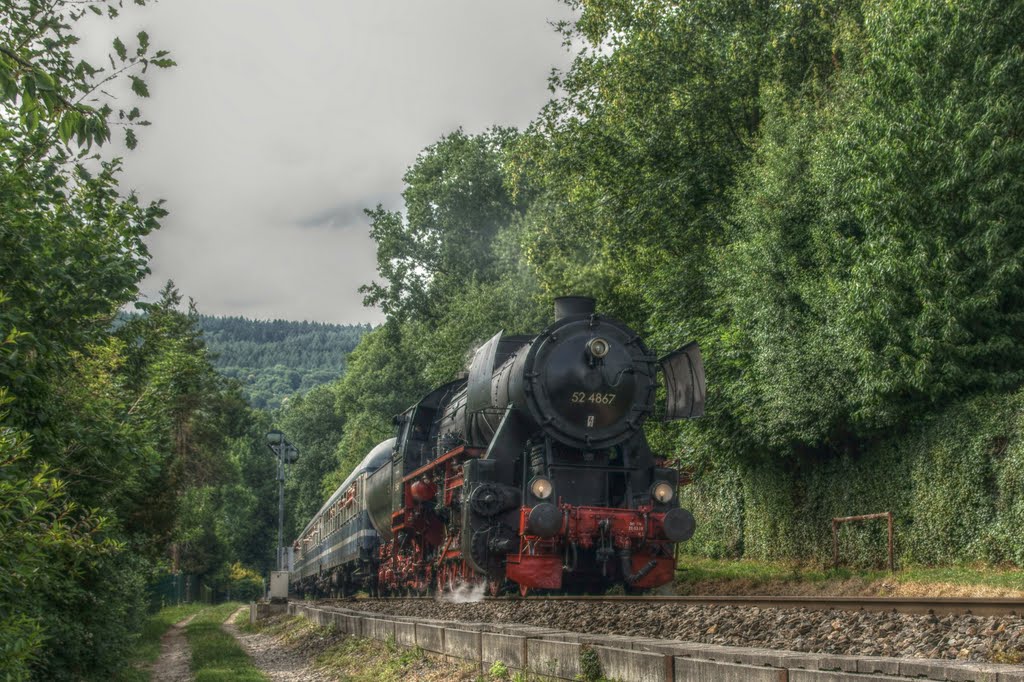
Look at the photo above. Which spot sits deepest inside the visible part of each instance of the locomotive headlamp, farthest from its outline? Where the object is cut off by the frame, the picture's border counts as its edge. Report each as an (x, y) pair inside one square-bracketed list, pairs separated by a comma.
[(541, 488), (662, 492), (597, 347)]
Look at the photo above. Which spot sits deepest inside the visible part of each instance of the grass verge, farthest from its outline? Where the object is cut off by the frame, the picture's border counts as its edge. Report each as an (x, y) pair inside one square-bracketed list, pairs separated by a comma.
[(147, 648), (367, 660), (216, 655), (354, 659), (729, 576)]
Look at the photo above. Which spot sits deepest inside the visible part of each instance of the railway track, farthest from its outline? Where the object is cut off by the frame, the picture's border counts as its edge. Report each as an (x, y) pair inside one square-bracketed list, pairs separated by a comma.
[(940, 606)]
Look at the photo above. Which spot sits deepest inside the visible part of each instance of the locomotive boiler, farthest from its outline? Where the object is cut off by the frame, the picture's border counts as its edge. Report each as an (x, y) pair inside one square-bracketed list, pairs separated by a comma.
[(532, 472)]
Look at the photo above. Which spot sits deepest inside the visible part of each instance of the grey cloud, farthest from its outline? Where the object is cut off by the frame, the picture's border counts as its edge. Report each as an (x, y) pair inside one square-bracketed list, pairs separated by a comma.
[(282, 117), (346, 215)]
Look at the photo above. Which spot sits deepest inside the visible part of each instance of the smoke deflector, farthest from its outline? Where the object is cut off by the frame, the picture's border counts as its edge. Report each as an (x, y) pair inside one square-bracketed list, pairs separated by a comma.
[(478, 391), (684, 383)]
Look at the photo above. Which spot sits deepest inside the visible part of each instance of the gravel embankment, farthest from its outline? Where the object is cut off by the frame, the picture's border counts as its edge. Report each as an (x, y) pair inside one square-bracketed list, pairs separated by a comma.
[(834, 632)]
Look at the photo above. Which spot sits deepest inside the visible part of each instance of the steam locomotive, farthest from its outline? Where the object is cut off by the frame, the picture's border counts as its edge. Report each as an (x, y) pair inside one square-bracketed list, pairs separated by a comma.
[(531, 473)]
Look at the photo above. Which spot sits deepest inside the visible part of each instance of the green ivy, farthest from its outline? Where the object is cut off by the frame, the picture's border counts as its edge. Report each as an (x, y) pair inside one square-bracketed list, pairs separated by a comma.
[(954, 482)]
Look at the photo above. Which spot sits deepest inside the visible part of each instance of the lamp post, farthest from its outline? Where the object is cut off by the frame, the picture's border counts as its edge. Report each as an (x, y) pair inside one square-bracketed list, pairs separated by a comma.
[(286, 453)]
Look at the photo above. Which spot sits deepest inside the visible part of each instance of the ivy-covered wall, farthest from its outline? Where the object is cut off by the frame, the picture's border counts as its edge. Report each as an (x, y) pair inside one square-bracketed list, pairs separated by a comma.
[(955, 484)]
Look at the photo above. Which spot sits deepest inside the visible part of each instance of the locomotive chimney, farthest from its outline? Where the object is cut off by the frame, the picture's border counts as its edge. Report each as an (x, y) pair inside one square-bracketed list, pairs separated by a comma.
[(573, 305)]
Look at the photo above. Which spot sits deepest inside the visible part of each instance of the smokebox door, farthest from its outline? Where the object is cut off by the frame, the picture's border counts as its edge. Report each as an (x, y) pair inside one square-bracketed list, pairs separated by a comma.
[(684, 383), (478, 388)]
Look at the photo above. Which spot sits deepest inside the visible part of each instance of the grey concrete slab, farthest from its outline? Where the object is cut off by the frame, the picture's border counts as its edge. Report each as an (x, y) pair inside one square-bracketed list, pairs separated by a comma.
[(462, 644), (403, 619), (260, 610), (639, 642), (379, 629), (356, 626), (674, 647), (1015, 674), (405, 634), (974, 672), (804, 661), (691, 670), (533, 632), (755, 656), (879, 664), (430, 638), (509, 649), (626, 665), (521, 630), (837, 676), (836, 662), (924, 667), (614, 641), (730, 654), (475, 627), (553, 658), (435, 622)]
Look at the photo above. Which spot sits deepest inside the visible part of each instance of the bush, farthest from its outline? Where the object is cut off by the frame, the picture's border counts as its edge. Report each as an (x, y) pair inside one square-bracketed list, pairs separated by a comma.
[(955, 483), (239, 583)]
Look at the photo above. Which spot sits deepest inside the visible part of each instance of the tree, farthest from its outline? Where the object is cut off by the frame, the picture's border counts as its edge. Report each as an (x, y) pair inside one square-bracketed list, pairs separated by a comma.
[(314, 425), (72, 253), (37, 521), (873, 274), (456, 202)]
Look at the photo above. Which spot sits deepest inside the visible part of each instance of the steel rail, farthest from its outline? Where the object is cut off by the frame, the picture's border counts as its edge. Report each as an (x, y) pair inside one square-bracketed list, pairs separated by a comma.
[(939, 606)]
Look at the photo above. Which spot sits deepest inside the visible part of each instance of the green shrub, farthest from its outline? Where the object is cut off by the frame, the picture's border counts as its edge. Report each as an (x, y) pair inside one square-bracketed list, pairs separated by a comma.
[(239, 583), (590, 665), (954, 482)]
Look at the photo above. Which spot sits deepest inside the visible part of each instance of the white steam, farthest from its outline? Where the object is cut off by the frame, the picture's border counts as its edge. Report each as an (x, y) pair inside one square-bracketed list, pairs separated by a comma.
[(464, 593)]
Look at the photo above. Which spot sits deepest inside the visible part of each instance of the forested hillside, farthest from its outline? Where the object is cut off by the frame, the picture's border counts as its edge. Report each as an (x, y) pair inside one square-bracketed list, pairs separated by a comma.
[(826, 195), (272, 359)]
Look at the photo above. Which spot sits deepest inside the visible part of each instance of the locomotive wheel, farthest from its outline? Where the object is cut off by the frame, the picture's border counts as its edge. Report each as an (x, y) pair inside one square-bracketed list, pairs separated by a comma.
[(523, 590)]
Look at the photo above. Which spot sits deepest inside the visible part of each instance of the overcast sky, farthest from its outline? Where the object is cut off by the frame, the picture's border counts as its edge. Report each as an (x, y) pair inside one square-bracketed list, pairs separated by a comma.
[(283, 120)]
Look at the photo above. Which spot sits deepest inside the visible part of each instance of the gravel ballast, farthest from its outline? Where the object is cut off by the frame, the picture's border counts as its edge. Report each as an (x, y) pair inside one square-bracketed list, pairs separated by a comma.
[(964, 637)]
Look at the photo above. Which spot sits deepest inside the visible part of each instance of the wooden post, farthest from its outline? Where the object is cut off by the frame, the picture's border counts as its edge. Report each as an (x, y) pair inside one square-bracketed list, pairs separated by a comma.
[(835, 543), (865, 517), (892, 561)]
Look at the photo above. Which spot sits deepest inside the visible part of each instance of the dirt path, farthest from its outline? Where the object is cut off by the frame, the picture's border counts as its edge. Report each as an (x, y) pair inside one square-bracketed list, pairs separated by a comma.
[(175, 662), (279, 663)]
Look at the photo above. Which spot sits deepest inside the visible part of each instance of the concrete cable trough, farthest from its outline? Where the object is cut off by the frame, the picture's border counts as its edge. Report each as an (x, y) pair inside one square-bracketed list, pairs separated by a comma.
[(561, 655), (940, 606)]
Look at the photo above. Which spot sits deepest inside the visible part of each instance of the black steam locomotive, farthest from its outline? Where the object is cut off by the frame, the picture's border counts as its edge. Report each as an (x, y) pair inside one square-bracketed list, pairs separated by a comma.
[(532, 472)]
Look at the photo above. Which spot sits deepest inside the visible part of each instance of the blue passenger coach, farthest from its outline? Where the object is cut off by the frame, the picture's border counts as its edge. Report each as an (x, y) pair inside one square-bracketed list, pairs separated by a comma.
[(337, 550)]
